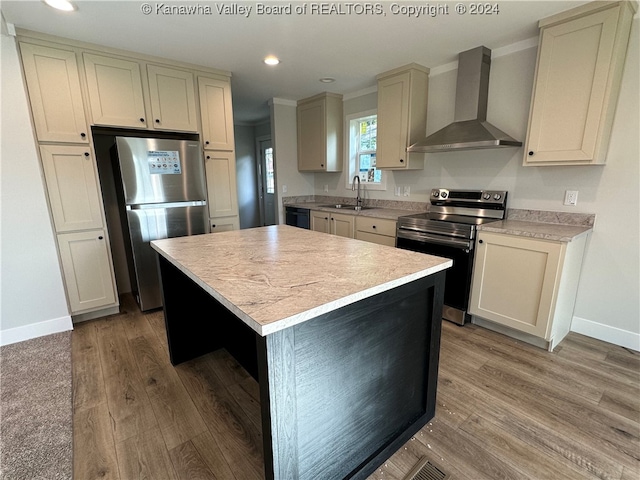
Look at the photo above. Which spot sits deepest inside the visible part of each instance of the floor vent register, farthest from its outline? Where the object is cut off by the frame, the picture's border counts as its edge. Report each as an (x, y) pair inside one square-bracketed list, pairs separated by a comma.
[(426, 470)]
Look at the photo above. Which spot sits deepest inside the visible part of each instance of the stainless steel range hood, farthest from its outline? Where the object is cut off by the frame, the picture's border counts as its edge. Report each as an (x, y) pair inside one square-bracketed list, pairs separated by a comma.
[(470, 129)]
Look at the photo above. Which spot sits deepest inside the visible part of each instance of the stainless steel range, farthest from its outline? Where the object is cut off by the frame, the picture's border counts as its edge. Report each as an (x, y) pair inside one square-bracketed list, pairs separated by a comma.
[(448, 229)]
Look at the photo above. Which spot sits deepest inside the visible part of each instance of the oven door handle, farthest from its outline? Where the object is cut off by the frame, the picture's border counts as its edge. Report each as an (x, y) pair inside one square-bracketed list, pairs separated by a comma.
[(426, 238)]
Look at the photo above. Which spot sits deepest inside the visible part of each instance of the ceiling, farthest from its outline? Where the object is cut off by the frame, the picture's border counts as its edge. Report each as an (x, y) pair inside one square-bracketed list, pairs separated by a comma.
[(350, 46)]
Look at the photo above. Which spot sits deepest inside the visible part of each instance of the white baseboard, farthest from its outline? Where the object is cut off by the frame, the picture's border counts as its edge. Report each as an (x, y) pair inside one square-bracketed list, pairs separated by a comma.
[(40, 329), (606, 333)]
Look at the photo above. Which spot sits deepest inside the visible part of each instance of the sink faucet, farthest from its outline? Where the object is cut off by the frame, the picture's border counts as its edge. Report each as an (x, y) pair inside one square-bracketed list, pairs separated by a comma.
[(353, 189)]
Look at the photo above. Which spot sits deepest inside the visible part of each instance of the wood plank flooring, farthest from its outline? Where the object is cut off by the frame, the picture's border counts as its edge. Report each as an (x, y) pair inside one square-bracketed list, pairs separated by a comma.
[(506, 410)]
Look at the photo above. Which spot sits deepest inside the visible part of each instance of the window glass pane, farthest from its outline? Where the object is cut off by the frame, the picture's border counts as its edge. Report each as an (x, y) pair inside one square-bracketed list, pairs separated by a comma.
[(365, 130), (268, 156)]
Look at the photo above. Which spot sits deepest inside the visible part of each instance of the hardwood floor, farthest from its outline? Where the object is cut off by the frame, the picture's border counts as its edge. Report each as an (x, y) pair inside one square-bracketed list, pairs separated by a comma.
[(506, 410)]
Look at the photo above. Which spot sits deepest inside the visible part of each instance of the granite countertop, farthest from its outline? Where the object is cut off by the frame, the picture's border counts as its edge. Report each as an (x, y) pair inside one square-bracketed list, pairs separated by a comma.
[(278, 276), (545, 225), (376, 212)]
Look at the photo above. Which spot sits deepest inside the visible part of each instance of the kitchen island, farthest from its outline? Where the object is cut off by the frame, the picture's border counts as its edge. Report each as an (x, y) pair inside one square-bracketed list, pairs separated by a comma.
[(343, 337)]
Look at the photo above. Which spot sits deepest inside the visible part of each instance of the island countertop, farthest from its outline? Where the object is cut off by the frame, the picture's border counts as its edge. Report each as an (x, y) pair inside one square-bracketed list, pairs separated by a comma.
[(278, 276)]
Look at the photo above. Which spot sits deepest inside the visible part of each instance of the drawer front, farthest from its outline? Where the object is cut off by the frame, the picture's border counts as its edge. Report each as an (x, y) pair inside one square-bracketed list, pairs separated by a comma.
[(379, 239), (376, 225)]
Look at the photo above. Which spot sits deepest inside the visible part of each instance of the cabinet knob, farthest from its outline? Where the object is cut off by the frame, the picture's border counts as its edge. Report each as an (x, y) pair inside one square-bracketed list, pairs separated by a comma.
[(402, 160), (100, 237), (86, 154), (322, 165), (480, 241), (208, 157), (531, 153), (157, 120), (374, 226), (83, 135), (213, 225), (207, 142)]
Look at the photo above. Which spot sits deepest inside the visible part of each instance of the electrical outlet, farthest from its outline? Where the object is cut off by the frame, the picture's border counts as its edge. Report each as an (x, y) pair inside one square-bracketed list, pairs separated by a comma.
[(406, 191), (396, 191), (326, 189), (284, 189), (571, 197)]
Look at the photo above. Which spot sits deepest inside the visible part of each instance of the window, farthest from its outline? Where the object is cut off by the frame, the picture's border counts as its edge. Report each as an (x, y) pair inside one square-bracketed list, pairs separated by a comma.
[(268, 157), (363, 129)]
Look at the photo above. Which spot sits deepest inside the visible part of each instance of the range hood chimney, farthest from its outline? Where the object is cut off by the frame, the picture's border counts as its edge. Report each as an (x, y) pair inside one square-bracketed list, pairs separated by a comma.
[(470, 129)]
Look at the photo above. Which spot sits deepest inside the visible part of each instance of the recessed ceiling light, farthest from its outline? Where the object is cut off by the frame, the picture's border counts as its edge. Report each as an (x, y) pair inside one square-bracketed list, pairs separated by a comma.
[(271, 60), (327, 80), (64, 5)]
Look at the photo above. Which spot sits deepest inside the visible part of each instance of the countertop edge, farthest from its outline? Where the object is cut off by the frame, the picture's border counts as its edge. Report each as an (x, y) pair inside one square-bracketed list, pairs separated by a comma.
[(278, 325), (538, 230)]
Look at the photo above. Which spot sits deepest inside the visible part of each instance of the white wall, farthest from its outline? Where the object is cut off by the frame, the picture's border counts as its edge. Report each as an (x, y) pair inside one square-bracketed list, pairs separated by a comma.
[(32, 299), (284, 138), (608, 303)]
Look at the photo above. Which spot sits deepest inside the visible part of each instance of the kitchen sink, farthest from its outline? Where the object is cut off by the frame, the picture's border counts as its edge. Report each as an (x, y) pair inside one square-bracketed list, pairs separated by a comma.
[(345, 207)]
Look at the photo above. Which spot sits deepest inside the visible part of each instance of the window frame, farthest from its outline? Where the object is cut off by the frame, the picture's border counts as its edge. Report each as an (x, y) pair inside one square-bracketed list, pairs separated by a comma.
[(351, 134)]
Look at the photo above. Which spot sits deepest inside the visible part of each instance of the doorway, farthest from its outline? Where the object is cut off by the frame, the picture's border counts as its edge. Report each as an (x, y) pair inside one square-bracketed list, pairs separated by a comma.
[(266, 180)]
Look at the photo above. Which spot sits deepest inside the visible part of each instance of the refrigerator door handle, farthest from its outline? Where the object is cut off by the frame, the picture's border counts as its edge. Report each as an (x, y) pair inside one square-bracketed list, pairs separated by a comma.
[(143, 206)]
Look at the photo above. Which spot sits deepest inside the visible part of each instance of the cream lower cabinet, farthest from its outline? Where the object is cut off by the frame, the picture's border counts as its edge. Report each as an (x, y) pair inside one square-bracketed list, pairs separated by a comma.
[(376, 230), (525, 284), (333, 223), (220, 169), (86, 266), (578, 75)]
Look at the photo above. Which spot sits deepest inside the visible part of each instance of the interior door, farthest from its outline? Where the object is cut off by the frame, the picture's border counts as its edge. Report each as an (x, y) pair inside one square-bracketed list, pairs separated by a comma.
[(267, 187)]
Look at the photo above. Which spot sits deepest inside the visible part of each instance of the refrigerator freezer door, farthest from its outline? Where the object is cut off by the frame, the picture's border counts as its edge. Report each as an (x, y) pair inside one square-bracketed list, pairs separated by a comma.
[(146, 224), (160, 170)]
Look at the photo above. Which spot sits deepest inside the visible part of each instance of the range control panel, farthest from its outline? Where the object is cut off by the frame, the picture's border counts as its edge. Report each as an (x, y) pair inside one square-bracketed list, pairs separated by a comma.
[(443, 196)]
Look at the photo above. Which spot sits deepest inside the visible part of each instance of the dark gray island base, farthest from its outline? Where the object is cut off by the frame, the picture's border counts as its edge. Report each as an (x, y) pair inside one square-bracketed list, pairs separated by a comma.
[(340, 392)]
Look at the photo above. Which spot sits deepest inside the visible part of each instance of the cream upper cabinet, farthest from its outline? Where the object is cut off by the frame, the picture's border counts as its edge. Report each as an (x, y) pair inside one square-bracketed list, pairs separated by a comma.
[(376, 230), (578, 74), (526, 284), (402, 116), (115, 91), (216, 113), (173, 100), (86, 266), (320, 121), (72, 186), (220, 169), (53, 83)]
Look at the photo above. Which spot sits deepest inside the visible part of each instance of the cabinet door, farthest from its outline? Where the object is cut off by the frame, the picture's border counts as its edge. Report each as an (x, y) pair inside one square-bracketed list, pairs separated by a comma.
[(393, 121), (115, 91), (515, 281), (572, 88), (220, 168), (54, 92), (72, 185), (342, 225), (216, 113), (320, 222), (311, 137), (173, 99), (224, 224), (87, 270)]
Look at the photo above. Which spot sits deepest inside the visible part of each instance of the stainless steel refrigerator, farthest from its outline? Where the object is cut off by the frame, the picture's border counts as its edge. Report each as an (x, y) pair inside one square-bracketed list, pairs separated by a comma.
[(161, 191)]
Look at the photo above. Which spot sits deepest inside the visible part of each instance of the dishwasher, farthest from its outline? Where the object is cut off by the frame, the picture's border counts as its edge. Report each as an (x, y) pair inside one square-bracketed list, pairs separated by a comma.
[(298, 217)]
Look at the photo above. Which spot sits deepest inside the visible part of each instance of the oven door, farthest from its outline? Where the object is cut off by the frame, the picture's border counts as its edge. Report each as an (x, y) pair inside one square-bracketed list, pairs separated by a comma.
[(458, 278)]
